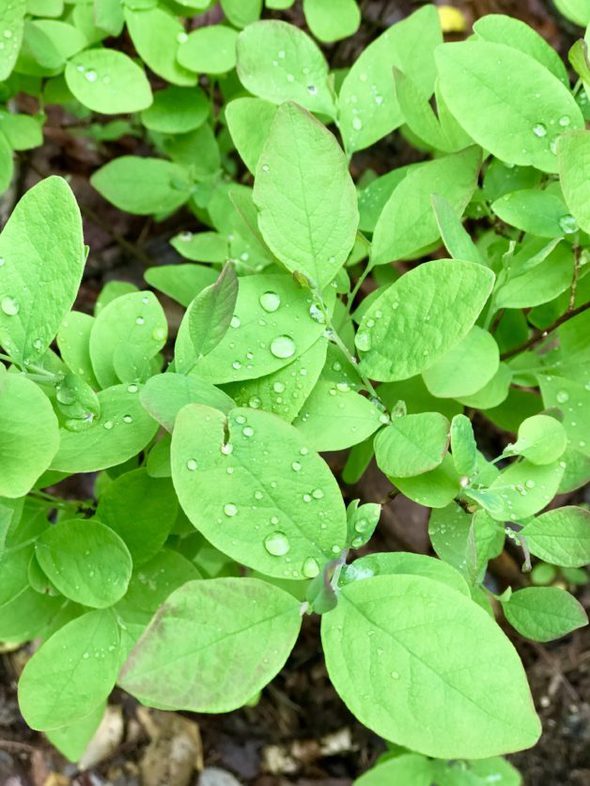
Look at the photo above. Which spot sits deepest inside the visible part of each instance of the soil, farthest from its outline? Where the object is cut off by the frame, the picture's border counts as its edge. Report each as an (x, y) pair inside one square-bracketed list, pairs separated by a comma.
[(299, 732)]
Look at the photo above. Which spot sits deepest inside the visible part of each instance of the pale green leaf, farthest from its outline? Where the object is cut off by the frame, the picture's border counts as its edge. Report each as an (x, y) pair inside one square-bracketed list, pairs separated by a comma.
[(210, 313), (209, 50), (164, 395), (249, 121), (412, 444), (181, 282), (157, 36), (466, 368), (560, 536), (574, 175), (331, 20), (12, 17), (544, 613)]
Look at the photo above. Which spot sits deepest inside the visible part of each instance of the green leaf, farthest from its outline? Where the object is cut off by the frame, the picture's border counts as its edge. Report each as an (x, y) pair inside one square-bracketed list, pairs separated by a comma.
[(141, 510), (407, 768), (274, 482), (249, 121), (23, 132), (279, 62), (86, 561), (210, 313), (361, 522), (544, 613), (43, 257), (72, 740), (520, 491), (30, 435), (531, 285), (487, 87), (181, 282), (453, 234), (408, 564), (242, 12), (435, 488), (248, 624), (574, 175), (541, 439), (368, 106), (261, 338), (560, 536), (209, 50), (6, 164), (306, 197), (331, 20), (285, 391), (421, 639), (407, 328), (577, 11), (407, 222), (72, 672), (164, 395), (122, 431), (73, 340), (463, 445), (126, 335), (176, 110), (466, 368), (143, 185), (502, 29), (540, 213), (157, 37), (12, 17), (108, 81), (412, 444), (476, 773)]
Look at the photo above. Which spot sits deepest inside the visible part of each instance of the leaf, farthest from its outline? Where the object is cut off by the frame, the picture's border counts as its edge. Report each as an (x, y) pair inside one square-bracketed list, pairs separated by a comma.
[(156, 35), (242, 12), (457, 240), (435, 488), (306, 198), (408, 564), (536, 284), (540, 213), (541, 439), (181, 282), (86, 561), (574, 174), (463, 445), (208, 50), (544, 613), (42, 253), (6, 164), (125, 337), (108, 81), (407, 222), (164, 395), (560, 537), (487, 87), (407, 768), (577, 11), (431, 651), (279, 62), (72, 672), (502, 29), (210, 313), (12, 17), (249, 121), (476, 773), (332, 20), (176, 110), (276, 484), (73, 339), (368, 106), (247, 624), (261, 338), (466, 368), (412, 444), (122, 431), (30, 435), (143, 186), (141, 510), (407, 328), (72, 740)]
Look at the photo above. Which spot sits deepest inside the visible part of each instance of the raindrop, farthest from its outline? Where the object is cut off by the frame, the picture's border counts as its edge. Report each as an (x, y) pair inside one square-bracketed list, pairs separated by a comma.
[(312, 90), (265, 168), (283, 347), (395, 675), (317, 494), (132, 389), (316, 313), (248, 431), (227, 449), (278, 387), (540, 130), (182, 38), (235, 322), (230, 509), (255, 402), (568, 224), (307, 498), (357, 123), (562, 396), (185, 237), (564, 121), (296, 466), (290, 78), (530, 484), (270, 301), (191, 465), (2, 261), (127, 419), (303, 451), (37, 343), (140, 321), (363, 341), (108, 424), (277, 544), (310, 568), (90, 75), (9, 306), (236, 365)]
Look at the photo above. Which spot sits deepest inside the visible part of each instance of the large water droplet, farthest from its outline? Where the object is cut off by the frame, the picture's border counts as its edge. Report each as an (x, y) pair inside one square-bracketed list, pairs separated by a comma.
[(540, 130), (277, 544), (283, 347), (270, 301), (9, 306), (562, 396), (363, 341), (568, 224), (278, 387), (564, 121), (230, 509), (191, 465), (235, 322), (310, 568), (90, 75), (357, 123)]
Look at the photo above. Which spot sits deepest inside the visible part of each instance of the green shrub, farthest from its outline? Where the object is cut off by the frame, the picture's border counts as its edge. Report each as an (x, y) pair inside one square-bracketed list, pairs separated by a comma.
[(214, 523)]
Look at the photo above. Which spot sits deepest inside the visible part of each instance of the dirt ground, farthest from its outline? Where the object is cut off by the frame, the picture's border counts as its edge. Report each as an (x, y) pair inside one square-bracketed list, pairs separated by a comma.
[(300, 732)]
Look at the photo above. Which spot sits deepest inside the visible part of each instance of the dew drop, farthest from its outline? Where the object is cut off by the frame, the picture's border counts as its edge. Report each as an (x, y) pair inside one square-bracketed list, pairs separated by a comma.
[(227, 449), (132, 388), (568, 224), (540, 130), (395, 675), (127, 419), (357, 123), (248, 431), (564, 121), (277, 544), (230, 509), (235, 322), (317, 494), (90, 75), (182, 38), (296, 466), (283, 347), (270, 301), (108, 424), (278, 387), (2, 261), (9, 306), (310, 568), (363, 341), (255, 402), (562, 396), (236, 365), (140, 321), (191, 465)]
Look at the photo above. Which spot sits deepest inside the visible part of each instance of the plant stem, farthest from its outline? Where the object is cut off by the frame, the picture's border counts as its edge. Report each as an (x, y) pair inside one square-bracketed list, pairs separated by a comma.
[(539, 335)]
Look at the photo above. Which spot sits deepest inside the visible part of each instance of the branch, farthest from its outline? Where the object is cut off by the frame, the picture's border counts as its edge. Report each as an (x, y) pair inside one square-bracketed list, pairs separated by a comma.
[(539, 335)]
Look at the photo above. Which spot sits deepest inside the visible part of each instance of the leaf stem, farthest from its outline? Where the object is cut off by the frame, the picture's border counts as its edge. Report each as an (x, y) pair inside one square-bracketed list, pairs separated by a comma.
[(539, 335)]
